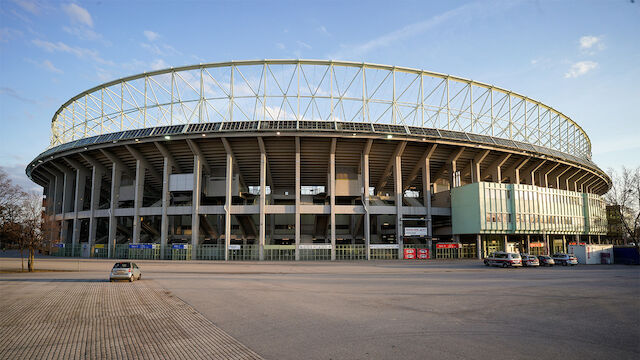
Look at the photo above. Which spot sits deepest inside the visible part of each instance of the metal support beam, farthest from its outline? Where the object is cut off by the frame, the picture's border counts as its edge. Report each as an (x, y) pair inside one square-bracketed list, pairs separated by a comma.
[(195, 150), (167, 154)]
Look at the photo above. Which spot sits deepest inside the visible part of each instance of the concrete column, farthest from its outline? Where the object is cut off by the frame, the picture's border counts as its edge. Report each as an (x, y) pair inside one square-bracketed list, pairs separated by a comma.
[(227, 205), (528, 244), (263, 199), (545, 237), (58, 191), (479, 246), (397, 184), (96, 185), (137, 200), (564, 243), (365, 202), (81, 178), (332, 199), (426, 191), (195, 205), (67, 204), (297, 255), (116, 176), (164, 224), (505, 241)]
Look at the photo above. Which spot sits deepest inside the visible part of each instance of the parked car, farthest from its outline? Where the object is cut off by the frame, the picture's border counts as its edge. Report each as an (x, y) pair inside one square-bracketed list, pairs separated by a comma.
[(125, 271), (529, 260), (546, 260), (565, 259), (504, 259)]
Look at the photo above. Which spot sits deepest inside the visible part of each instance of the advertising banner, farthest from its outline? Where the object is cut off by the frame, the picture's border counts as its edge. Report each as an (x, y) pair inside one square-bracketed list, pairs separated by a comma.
[(409, 253), (447, 246), (422, 254)]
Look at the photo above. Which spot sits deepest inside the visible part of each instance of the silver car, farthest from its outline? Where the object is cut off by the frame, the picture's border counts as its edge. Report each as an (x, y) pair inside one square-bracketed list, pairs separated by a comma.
[(565, 259), (125, 271)]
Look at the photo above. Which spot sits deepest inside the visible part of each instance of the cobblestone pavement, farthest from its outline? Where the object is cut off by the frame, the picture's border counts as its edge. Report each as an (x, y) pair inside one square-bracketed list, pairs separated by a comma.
[(92, 319)]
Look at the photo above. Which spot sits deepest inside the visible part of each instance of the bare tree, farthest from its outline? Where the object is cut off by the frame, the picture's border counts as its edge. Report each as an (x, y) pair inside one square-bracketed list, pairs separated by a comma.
[(39, 232), (11, 198), (624, 195)]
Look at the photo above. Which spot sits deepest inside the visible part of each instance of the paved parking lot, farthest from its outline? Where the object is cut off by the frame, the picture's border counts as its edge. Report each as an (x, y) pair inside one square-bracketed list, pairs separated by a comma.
[(378, 310)]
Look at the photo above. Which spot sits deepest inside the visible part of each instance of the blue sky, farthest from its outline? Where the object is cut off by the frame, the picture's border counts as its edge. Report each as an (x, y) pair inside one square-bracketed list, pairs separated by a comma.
[(581, 57)]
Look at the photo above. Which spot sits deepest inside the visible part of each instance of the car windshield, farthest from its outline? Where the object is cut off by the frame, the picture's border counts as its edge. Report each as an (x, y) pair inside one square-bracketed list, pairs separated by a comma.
[(124, 265), (515, 256)]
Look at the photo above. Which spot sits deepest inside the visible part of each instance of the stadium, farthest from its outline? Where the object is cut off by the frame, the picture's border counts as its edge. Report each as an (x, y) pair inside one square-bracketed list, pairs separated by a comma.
[(314, 160)]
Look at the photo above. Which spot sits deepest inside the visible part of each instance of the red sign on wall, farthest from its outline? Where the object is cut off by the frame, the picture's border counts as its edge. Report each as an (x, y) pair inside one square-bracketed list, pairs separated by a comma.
[(536, 245), (447, 246), (409, 253), (422, 254)]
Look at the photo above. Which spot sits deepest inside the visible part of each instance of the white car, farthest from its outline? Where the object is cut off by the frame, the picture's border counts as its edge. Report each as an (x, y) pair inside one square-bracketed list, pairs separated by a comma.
[(530, 260), (125, 270), (565, 259), (504, 259)]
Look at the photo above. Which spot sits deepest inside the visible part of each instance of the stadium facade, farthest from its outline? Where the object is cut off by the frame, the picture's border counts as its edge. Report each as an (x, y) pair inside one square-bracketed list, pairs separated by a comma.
[(309, 159)]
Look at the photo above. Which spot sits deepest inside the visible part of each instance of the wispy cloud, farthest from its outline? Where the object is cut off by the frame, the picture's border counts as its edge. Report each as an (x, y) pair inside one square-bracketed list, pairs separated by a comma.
[(16, 95), (303, 44), (590, 42), (408, 31), (7, 34), (84, 33), (323, 30), (280, 46), (79, 52), (159, 64), (160, 49), (580, 68), (45, 64), (150, 35), (29, 6), (78, 14)]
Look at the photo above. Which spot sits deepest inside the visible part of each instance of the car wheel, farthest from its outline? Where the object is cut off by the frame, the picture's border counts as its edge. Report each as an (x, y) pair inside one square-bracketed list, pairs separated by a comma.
[(504, 265), (131, 279), (564, 263), (139, 276)]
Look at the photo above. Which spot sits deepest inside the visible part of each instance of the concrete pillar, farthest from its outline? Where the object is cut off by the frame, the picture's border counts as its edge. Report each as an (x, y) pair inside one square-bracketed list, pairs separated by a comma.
[(505, 241), (426, 191), (96, 185), (195, 205), (116, 176), (479, 246), (332, 193), (397, 184), (564, 244), (81, 179), (528, 244), (227, 205), (138, 190), (263, 199), (365, 202), (164, 222), (297, 254)]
